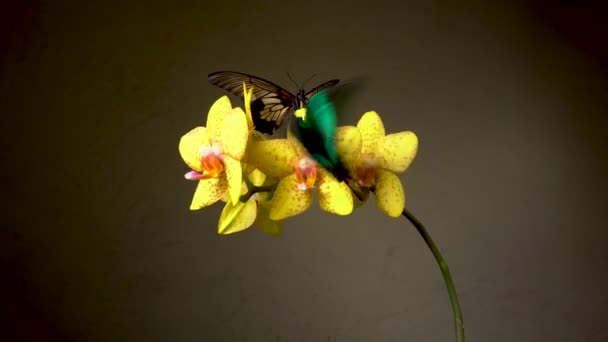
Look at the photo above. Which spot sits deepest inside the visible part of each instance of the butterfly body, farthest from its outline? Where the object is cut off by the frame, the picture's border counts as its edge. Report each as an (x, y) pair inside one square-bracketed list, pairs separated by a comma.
[(270, 103)]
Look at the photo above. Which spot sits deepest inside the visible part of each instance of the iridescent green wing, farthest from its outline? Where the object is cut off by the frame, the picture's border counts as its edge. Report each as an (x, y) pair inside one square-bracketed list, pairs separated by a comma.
[(322, 120), (318, 128)]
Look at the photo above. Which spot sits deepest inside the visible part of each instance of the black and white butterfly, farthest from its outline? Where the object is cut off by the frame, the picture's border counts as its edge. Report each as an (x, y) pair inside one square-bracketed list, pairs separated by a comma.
[(270, 103)]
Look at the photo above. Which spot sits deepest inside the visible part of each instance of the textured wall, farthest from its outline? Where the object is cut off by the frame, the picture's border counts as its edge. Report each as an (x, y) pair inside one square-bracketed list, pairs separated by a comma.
[(510, 178)]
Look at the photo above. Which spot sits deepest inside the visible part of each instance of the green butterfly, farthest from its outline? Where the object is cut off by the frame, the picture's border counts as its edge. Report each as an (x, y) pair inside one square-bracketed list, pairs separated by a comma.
[(317, 129)]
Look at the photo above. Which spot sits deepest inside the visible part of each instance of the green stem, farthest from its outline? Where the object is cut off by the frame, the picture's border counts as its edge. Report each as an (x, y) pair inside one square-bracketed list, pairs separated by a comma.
[(445, 271), (255, 189)]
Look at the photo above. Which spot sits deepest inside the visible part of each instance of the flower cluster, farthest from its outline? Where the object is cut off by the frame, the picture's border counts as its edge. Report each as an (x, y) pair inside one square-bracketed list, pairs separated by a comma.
[(265, 181)]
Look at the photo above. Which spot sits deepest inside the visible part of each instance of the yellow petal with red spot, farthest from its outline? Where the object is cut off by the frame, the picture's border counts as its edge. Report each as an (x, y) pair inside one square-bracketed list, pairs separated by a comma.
[(189, 145), (236, 218), (235, 134), (288, 200), (226, 196), (215, 118), (263, 221), (254, 137), (247, 99), (274, 157), (372, 133), (348, 145), (334, 197), (390, 197), (234, 176), (208, 191), (400, 150)]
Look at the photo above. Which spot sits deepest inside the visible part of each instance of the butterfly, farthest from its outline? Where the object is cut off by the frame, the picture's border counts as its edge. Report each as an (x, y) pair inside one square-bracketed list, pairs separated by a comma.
[(317, 131), (270, 102)]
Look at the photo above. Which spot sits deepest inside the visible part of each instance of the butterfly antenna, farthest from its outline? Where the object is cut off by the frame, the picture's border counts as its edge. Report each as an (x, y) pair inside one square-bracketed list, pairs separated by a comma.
[(310, 78), (294, 82)]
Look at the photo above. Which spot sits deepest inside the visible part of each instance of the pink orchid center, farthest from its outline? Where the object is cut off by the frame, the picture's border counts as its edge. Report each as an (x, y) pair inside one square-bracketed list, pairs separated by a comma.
[(212, 163), (306, 174), (365, 171)]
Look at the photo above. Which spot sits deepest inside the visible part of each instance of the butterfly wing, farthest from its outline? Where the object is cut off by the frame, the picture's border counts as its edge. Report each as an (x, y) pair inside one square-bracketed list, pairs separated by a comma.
[(328, 84), (270, 102), (343, 96), (322, 119)]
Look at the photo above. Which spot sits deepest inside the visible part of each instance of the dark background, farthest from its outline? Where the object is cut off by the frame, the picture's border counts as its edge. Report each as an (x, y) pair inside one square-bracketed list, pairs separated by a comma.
[(509, 101)]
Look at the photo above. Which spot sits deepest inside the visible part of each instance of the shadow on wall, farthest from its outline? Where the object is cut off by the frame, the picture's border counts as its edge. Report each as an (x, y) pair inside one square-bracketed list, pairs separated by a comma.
[(582, 23), (21, 318)]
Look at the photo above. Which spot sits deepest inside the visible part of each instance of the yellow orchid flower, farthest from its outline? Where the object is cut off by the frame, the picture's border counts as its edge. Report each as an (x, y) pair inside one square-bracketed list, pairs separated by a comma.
[(288, 161), (379, 160), (214, 153)]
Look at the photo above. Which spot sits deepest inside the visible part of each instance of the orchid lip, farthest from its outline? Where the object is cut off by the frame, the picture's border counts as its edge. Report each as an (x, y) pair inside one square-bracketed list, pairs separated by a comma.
[(366, 171), (306, 174), (193, 175), (212, 161)]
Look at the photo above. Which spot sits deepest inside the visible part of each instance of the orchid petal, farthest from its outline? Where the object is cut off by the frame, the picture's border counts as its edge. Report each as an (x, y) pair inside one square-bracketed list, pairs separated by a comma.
[(390, 197), (334, 197), (234, 176), (263, 221), (257, 177), (247, 99), (208, 191), (372, 133), (215, 118), (234, 134), (189, 145), (288, 200), (300, 150), (400, 150), (348, 145), (275, 157), (236, 218)]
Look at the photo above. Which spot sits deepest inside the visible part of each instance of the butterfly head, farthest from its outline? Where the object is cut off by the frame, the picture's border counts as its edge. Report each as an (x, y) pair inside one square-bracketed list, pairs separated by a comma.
[(300, 100)]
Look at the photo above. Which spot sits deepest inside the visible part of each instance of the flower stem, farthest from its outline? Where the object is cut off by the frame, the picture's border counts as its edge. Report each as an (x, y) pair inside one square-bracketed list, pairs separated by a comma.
[(269, 188), (445, 271)]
